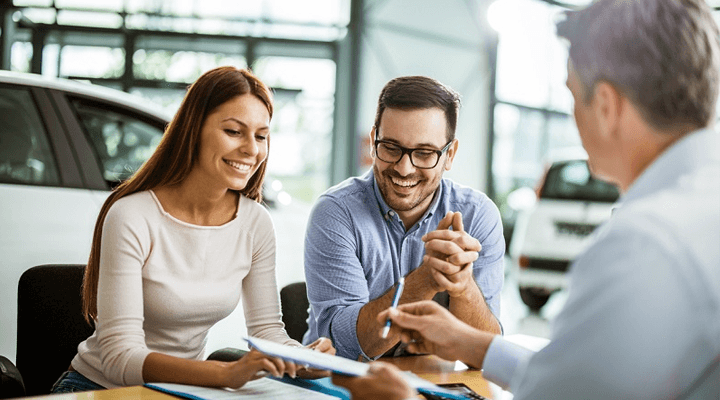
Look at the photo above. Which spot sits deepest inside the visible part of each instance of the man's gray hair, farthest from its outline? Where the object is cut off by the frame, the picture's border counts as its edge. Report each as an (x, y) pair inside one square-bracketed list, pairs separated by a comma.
[(662, 54)]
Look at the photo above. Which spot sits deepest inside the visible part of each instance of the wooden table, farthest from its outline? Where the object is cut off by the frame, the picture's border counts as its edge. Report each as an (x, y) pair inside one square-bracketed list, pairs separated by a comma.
[(437, 370), (432, 368)]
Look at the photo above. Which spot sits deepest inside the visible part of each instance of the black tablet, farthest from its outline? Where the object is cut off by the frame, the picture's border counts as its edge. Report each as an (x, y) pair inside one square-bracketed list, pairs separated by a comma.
[(459, 388)]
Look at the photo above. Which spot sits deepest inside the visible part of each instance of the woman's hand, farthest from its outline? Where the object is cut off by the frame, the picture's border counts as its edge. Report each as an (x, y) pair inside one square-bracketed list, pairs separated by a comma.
[(255, 365), (323, 345)]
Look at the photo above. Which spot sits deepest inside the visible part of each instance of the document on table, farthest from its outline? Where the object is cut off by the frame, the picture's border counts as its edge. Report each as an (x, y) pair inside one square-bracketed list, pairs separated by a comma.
[(264, 388), (340, 365), (310, 358)]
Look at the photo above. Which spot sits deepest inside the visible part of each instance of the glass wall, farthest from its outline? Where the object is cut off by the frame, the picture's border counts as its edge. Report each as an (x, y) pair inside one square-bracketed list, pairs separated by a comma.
[(302, 123), (533, 121), (169, 44)]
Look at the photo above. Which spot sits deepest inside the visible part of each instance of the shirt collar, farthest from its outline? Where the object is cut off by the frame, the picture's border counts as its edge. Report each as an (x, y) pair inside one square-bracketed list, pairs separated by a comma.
[(388, 213), (688, 153)]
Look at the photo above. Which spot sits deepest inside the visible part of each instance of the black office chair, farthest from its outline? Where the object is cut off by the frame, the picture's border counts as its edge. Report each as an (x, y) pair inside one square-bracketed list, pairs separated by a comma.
[(50, 324), (294, 305), (11, 383)]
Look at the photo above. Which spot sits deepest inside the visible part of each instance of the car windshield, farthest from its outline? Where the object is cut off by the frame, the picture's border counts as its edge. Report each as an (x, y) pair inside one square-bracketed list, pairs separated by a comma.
[(571, 180)]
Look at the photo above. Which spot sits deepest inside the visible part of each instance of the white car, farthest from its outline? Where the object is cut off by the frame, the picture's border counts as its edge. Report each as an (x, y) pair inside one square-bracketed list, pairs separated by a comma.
[(63, 145), (557, 228)]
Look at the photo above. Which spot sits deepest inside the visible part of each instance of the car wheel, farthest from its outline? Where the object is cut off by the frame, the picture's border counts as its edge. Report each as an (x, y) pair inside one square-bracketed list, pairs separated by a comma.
[(534, 297)]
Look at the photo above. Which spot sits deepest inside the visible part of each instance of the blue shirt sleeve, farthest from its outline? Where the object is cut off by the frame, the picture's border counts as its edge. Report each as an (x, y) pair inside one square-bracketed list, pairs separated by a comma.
[(337, 288), (489, 269)]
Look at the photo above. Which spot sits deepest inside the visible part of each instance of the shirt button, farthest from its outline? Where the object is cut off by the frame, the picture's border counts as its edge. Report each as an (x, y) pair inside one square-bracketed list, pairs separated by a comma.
[(392, 213)]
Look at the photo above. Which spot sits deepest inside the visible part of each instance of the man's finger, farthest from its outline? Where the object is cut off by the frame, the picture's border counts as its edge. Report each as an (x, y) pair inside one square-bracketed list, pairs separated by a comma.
[(455, 286), (463, 258), (462, 239), (442, 266), (441, 280), (424, 307), (468, 243), (446, 222), (419, 348), (457, 223), (443, 246), (407, 321), (441, 234)]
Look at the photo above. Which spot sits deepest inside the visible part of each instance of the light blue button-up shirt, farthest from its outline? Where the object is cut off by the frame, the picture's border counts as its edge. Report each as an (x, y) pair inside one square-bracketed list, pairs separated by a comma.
[(642, 319), (356, 248)]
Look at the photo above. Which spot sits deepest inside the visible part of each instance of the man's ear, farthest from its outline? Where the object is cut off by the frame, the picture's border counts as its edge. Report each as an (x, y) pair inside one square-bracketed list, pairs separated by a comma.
[(607, 103), (372, 142), (451, 151)]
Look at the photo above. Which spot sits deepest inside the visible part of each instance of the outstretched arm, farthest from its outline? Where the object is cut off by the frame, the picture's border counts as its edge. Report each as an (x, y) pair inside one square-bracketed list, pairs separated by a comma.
[(427, 327)]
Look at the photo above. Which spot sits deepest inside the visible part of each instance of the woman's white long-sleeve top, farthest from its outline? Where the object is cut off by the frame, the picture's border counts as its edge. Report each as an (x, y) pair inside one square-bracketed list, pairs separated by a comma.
[(164, 283)]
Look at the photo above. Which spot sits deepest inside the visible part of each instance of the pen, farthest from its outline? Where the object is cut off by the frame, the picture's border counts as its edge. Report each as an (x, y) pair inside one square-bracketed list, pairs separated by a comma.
[(396, 299)]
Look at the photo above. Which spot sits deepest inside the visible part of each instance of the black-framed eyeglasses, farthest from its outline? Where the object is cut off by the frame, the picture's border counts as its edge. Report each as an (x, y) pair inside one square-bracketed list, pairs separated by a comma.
[(390, 152)]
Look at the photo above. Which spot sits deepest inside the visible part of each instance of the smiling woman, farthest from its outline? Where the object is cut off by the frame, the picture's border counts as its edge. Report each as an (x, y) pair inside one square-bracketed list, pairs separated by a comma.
[(177, 244), (233, 146)]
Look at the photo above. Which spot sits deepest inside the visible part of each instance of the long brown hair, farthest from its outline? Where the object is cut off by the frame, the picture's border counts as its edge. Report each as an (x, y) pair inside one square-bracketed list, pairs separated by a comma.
[(176, 154)]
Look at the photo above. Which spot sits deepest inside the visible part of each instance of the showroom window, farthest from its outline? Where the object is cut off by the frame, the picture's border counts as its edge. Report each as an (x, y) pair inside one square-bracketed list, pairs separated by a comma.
[(533, 121)]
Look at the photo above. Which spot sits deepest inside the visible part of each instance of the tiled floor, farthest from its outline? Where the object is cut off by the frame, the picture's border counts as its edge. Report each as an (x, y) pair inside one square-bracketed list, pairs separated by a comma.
[(290, 227)]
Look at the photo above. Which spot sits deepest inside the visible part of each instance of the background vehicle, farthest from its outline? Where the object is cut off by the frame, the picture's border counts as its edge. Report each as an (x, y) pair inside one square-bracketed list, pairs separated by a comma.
[(552, 232), (63, 145)]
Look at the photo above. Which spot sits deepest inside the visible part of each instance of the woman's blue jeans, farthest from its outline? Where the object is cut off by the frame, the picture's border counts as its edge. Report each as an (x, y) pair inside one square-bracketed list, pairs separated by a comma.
[(72, 381)]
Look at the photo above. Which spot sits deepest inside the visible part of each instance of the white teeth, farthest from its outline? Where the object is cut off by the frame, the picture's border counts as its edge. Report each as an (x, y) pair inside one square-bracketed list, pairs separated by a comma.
[(238, 166), (404, 183)]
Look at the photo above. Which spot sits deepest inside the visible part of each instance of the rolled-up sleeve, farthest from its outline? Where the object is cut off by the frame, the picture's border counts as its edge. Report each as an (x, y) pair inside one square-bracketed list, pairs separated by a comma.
[(337, 287), (485, 225)]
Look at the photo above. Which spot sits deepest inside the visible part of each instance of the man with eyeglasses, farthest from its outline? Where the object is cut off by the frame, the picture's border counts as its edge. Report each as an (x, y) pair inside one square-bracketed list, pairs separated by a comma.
[(367, 232)]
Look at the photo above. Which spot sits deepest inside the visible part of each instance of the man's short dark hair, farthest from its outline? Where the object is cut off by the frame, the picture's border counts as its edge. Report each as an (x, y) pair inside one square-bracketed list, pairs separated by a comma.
[(420, 92), (661, 54)]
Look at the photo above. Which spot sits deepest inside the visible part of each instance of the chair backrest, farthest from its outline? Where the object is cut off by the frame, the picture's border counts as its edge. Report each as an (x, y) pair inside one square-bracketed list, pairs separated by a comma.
[(11, 383), (294, 304), (50, 324)]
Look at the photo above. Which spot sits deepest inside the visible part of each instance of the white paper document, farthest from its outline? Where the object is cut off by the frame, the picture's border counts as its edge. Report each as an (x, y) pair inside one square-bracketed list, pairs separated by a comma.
[(264, 388), (340, 365), (310, 358)]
